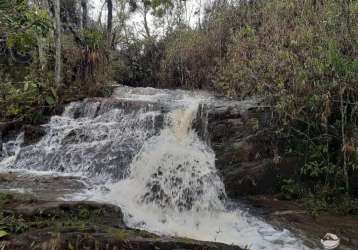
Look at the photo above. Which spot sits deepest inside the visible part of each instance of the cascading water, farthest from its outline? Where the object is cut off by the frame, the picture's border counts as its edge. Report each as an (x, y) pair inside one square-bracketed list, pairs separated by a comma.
[(89, 138), (151, 163)]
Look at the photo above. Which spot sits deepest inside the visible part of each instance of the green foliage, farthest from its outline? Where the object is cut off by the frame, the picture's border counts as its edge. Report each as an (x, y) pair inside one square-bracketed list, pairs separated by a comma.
[(22, 24), (19, 100), (85, 64), (303, 56), (315, 166), (27, 60), (93, 39), (329, 200), (158, 7), (3, 234), (291, 189), (189, 60), (138, 64), (4, 198), (13, 225)]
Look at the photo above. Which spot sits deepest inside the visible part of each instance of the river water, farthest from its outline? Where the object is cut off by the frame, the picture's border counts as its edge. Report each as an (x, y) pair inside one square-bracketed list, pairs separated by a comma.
[(138, 150)]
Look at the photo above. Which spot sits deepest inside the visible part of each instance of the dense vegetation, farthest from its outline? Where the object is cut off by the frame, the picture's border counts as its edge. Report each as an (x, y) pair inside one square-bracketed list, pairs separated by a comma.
[(301, 55), (28, 54)]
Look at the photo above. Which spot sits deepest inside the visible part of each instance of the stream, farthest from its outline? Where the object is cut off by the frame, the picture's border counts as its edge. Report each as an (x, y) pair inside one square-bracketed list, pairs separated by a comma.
[(139, 150)]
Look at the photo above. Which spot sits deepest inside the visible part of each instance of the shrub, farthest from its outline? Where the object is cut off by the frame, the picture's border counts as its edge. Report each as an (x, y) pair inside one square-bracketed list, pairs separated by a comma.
[(189, 61), (303, 56)]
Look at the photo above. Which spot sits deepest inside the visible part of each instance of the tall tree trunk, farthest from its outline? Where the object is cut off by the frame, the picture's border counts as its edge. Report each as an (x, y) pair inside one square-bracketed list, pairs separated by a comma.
[(42, 42), (199, 13), (109, 22), (99, 20), (58, 66), (84, 6), (343, 134), (146, 26)]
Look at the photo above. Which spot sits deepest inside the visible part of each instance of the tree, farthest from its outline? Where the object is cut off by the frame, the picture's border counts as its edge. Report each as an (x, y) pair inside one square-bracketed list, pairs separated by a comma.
[(57, 34), (109, 22), (84, 6), (145, 20)]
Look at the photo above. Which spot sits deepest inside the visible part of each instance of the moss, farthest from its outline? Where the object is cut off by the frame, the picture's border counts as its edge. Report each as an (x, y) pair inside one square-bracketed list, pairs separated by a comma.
[(123, 234), (145, 234), (80, 218), (5, 197), (118, 233), (185, 240), (83, 219)]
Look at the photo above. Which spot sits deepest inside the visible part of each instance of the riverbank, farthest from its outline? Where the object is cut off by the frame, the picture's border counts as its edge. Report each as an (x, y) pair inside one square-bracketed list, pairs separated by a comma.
[(27, 218), (26, 222), (293, 216)]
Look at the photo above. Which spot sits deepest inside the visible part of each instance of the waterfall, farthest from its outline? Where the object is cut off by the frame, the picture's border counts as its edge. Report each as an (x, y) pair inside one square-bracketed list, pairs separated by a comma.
[(91, 138), (142, 153), (175, 169)]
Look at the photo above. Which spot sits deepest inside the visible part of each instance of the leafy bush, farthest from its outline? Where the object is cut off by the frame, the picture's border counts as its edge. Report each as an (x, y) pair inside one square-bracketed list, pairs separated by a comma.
[(138, 63), (22, 100), (291, 189), (27, 61), (189, 60), (86, 63), (329, 200), (303, 57)]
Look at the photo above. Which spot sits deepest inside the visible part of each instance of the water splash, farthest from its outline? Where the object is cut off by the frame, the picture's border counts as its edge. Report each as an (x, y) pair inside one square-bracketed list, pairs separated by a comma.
[(174, 188), (10, 150)]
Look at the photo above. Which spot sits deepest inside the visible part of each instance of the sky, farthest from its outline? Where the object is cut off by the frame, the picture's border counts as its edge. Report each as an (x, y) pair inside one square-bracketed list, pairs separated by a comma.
[(136, 20)]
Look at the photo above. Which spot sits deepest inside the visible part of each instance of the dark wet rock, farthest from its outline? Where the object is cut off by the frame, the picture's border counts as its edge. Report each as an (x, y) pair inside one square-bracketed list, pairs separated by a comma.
[(98, 239), (36, 210), (87, 107), (32, 134), (8, 131), (247, 156), (7, 178), (293, 216), (44, 187)]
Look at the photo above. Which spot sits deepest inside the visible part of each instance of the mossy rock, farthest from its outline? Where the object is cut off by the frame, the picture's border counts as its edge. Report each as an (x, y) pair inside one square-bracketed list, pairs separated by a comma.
[(33, 224)]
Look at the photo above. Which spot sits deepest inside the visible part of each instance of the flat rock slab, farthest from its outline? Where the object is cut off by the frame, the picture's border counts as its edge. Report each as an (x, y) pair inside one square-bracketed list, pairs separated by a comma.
[(127, 240), (60, 225), (59, 210), (292, 215), (42, 187)]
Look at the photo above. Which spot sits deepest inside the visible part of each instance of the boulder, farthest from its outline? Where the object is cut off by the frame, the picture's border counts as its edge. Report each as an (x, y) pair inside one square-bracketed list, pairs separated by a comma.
[(32, 134), (247, 156), (44, 187)]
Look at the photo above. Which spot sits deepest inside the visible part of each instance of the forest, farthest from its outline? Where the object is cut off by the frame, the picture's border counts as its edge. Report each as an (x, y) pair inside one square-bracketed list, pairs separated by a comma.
[(299, 56)]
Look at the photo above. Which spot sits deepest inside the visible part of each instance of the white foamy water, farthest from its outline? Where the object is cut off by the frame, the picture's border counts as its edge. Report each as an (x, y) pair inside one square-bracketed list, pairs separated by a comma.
[(155, 166)]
